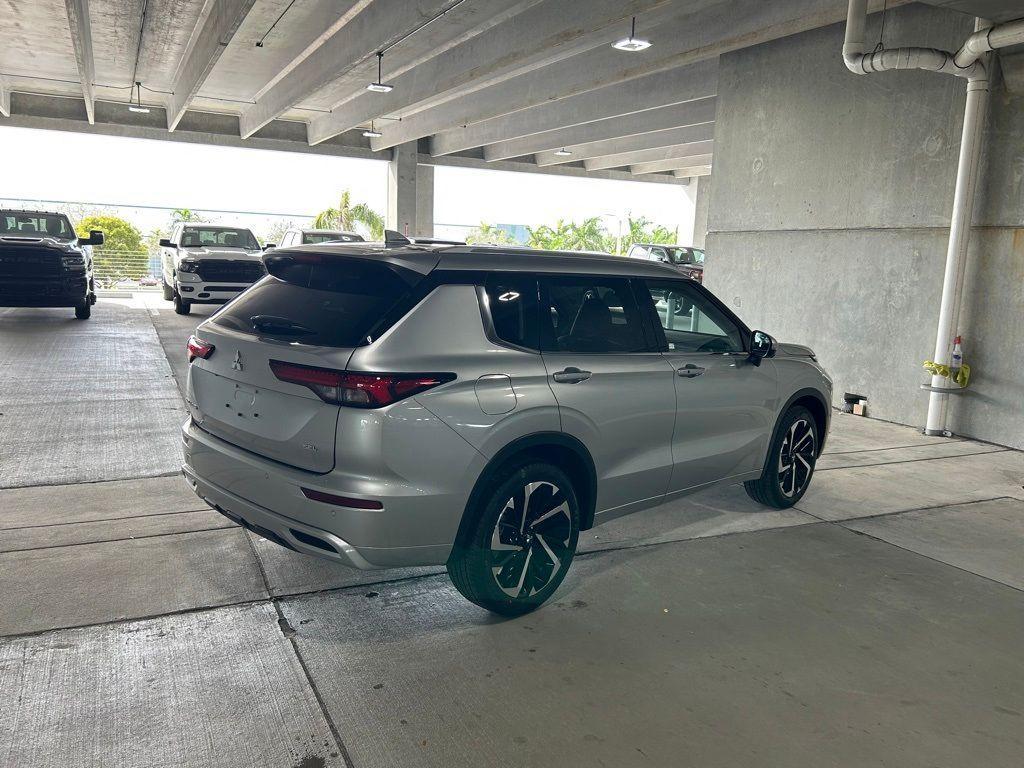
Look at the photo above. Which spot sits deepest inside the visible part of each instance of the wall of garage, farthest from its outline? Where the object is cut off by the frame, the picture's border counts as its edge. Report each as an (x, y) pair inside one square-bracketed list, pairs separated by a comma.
[(829, 217)]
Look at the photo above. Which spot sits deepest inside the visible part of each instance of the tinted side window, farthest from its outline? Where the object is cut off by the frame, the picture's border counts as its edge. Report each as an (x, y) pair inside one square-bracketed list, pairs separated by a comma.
[(690, 321), (512, 305), (590, 315)]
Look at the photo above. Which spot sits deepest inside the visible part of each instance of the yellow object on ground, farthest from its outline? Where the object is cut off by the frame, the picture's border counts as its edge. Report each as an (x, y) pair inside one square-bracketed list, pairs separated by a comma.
[(962, 376)]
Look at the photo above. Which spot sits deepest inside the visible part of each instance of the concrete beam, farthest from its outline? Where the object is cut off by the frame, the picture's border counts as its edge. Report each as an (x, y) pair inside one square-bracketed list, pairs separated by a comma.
[(644, 141), (539, 34), (692, 173), (672, 164), (573, 171), (688, 151), (218, 28), (701, 30), (676, 86), (81, 41), (690, 113), (359, 33), (5, 99)]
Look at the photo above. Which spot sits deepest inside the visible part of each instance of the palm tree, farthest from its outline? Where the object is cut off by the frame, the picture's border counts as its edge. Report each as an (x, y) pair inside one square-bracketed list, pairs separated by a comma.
[(185, 214), (347, 217), (569, 236), (489, 234)]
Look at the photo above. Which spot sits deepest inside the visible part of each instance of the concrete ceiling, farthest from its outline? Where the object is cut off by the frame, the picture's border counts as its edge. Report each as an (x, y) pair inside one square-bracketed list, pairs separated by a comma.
[(510, 82)]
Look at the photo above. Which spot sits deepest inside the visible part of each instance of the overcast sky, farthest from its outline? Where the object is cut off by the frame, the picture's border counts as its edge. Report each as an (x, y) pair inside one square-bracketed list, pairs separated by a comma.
[(56, 166)]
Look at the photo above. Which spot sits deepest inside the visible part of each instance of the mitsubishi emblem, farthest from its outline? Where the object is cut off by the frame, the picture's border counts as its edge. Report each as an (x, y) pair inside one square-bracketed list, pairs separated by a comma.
[(237, 365)]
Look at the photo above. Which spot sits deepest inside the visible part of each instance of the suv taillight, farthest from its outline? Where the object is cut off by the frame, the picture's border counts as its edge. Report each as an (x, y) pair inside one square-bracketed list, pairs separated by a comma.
[(358, 390), (198, 348)]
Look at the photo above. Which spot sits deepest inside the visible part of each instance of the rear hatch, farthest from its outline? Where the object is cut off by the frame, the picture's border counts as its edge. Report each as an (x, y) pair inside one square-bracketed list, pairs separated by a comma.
[(313, 309)]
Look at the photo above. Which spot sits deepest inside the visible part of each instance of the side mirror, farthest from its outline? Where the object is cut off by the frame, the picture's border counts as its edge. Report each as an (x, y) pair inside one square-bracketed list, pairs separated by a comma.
[(269, 246), (761, 346), (165, 243), (95, 238)]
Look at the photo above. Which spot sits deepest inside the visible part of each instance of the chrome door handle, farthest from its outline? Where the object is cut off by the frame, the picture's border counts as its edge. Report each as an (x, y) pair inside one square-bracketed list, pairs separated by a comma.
[(689, 371), (571, 376)]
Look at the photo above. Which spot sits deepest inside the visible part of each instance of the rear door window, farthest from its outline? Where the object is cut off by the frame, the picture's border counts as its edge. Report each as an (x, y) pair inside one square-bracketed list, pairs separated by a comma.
[(590, 315), (334, 302)]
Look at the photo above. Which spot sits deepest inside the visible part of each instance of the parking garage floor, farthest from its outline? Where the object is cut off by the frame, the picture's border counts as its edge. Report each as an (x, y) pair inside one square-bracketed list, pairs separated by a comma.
[(878, 623)]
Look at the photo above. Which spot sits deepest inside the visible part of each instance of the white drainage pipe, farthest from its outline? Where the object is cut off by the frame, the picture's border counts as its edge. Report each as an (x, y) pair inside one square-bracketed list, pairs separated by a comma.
[(966, 63)]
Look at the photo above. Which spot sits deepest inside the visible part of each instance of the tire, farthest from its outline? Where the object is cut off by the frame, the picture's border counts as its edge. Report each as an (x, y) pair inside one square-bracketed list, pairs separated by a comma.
[(83, 309), (168, 291), (501, 562), (788, 472), (180, 306)]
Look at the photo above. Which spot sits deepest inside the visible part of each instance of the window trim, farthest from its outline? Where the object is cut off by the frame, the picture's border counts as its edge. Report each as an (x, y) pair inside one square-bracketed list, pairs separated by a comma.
[(654, 320)]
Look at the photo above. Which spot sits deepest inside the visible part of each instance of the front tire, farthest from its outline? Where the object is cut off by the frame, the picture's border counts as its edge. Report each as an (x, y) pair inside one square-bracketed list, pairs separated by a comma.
[(792, 456), (181, 307), (83, 309), (520, 541)]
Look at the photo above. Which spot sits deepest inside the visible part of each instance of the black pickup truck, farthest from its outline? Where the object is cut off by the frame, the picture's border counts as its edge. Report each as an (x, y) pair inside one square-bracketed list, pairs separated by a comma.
[(43, 263)]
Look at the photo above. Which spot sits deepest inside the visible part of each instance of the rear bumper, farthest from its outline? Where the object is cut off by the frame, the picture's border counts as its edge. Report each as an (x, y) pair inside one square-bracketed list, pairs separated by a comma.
[(267, 497)]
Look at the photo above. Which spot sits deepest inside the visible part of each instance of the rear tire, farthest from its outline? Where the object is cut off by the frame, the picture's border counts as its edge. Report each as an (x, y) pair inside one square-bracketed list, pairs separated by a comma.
[(791, 460), (519, 542), (180, 306), (168, 291), (83, 309)]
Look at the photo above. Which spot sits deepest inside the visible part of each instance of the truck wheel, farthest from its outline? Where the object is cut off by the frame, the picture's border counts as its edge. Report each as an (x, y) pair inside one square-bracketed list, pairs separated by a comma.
[(168, 291), (83, 309), (791, 460), (519, 542), (180, 306)]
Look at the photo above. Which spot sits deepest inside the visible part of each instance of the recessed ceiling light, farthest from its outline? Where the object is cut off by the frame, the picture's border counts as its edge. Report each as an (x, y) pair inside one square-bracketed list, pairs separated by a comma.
[(632, 43), (563, 152), (380, 86)]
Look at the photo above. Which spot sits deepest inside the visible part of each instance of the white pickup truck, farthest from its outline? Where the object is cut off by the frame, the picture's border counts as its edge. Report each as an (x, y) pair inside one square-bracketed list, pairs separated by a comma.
[(208, 264)]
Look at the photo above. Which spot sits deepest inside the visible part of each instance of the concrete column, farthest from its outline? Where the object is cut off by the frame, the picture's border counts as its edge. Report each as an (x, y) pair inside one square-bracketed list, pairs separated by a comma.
[(700, 210), (410, 193), (425, 201)]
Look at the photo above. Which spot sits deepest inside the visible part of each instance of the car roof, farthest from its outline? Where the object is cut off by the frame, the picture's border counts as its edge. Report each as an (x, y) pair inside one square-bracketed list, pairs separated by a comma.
[(496, 258), (313, 230), (36, 213)]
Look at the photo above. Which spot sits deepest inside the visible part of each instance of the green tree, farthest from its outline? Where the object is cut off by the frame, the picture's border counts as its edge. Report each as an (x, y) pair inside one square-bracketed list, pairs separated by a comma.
[(185, 214), (643, 230), (122, 253), (589, 235), (349, 217), (488, 234)]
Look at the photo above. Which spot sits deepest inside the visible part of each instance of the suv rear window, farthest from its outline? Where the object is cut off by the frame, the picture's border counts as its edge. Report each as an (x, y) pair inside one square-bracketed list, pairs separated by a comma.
[(335, 303)]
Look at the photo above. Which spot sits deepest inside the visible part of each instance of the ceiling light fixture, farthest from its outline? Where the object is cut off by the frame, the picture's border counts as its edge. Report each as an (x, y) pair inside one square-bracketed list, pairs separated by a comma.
[(563, 152), (137, 105), (380, 86), (632, 43), (372, 133)]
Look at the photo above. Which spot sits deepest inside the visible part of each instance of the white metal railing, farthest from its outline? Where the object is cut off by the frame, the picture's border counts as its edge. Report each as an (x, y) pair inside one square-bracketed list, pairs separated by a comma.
[(125, 270)]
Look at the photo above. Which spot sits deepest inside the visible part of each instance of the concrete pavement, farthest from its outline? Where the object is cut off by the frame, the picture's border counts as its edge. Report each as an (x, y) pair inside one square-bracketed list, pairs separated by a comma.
[(879, 622)]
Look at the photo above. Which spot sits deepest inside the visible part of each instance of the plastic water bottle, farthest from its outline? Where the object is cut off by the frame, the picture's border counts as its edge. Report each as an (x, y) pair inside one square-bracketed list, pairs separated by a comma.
[(958, 358)]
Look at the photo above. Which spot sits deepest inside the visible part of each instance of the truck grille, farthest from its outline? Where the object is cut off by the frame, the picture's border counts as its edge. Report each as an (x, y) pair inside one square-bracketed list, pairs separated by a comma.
[(224, 271), (29, 263)]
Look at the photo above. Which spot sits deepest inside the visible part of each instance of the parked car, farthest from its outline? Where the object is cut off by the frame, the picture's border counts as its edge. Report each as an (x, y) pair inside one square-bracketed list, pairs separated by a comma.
[(148, 280), (315, 237), (480, 406), (687, 259), (43, 263), (208, 264)]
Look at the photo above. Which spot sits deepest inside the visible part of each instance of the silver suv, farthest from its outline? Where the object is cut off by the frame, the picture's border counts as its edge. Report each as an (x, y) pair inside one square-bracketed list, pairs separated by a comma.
[(480, 406)]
